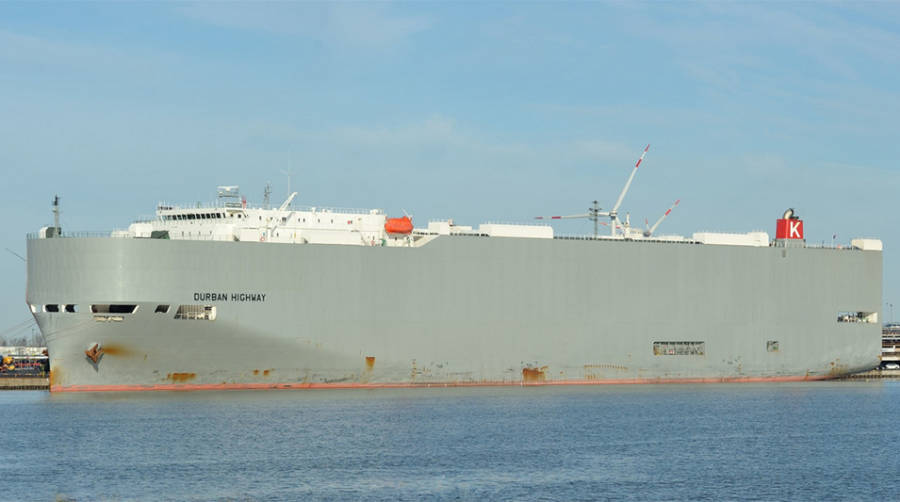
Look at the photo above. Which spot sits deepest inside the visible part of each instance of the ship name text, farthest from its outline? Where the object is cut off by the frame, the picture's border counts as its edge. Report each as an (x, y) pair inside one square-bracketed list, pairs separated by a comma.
[(229, 297)]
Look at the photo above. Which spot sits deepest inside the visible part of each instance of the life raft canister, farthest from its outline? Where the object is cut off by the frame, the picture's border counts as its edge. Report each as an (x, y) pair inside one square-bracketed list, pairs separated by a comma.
[(401, 226)]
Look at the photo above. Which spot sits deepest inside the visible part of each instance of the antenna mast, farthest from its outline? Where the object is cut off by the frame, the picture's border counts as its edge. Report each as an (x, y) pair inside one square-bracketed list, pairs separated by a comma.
[(56, 227), (594, 215)]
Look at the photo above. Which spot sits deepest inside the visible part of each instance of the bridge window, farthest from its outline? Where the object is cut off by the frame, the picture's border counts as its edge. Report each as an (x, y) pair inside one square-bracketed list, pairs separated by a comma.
[(51, 308), (162, 309), (71, 308)]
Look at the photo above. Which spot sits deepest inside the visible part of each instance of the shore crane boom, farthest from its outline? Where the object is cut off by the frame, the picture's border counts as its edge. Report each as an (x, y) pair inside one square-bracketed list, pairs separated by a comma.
[(594, 213)]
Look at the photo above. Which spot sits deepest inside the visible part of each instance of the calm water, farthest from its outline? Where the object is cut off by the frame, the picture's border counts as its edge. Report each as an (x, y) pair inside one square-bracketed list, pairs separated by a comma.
[(811, 441)]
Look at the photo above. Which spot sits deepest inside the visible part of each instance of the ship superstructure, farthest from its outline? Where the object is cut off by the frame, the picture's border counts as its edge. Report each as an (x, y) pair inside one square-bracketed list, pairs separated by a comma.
[(232, 219)]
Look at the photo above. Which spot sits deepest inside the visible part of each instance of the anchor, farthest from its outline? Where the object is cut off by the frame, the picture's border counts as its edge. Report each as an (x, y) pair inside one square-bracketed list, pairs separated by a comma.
[(94, 353)]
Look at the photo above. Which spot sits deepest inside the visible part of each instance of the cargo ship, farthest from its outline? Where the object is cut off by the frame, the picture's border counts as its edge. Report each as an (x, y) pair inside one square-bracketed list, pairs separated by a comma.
[(238, 296)]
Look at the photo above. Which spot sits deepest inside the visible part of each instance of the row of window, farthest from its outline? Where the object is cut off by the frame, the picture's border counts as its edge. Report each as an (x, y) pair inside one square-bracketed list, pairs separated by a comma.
[(102, 311), (208, 216), (196, 216)]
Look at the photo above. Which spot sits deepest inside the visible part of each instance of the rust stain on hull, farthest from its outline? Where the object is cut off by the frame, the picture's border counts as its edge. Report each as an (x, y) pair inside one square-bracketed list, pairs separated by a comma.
[(266, 372), (115, 349), (256, 372), (181, 377), (55, 378), (408, 385), (534, 375), (370, 362), (837, 369)]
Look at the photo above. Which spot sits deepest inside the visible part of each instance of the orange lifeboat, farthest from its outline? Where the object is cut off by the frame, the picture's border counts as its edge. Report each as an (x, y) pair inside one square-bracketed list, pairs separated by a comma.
[(402, 226)]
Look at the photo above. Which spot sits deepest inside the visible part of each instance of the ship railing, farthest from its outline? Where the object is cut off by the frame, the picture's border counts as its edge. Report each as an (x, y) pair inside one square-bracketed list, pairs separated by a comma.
[(346, 210), (468, 234), (517, 223), (81, 234), (836, 247), (319, 209), (123, 234), (577, 237), (601, 238), (219, 237)]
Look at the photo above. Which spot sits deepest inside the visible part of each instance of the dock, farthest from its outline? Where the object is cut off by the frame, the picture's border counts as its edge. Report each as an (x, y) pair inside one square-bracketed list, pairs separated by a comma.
[(875, 374), (25, 383)]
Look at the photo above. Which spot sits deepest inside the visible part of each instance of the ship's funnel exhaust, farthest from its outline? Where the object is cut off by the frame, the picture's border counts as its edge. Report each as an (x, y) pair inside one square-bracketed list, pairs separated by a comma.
[(789, 227)]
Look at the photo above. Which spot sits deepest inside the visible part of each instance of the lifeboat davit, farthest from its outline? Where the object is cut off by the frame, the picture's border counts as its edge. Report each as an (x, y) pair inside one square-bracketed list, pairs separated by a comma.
[(401, 226)]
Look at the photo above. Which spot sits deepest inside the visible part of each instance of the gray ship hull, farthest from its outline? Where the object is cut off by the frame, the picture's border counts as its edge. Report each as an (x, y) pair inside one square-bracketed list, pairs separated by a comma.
[(460, 310)]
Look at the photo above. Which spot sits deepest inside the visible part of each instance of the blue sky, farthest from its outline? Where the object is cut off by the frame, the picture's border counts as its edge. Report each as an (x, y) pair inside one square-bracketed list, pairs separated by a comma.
[(475, 111)]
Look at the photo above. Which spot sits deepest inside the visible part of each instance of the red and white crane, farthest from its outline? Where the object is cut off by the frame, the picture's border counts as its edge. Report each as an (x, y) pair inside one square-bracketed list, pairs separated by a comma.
[(594, 213), (649, 231)]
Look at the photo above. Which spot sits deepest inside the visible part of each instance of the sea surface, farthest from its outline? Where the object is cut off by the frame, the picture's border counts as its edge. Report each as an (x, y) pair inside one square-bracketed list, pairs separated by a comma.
[(793, 441)]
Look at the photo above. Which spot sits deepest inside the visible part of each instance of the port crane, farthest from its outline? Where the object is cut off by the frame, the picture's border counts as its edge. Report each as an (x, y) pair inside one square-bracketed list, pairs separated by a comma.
[(648, 232), (595, 214)]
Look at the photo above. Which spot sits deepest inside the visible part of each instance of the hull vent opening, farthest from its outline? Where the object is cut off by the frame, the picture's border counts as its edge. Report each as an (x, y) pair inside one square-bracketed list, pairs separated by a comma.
[(858, 317), (108, 318), (679, 348), (114, 309), (196, 312), (162, 309)]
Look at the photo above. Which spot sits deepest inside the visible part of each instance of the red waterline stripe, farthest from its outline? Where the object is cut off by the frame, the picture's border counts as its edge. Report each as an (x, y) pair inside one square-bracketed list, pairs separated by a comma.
[(410, 385)]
